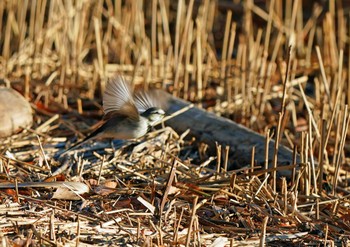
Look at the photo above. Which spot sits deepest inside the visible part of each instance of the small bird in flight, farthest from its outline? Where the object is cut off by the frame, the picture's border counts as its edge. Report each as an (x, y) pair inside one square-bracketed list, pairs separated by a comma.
[(128, 114)]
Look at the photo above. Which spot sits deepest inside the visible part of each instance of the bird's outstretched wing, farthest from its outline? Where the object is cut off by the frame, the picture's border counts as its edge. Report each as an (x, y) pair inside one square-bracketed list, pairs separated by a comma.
[(148, 99), (118, 99)]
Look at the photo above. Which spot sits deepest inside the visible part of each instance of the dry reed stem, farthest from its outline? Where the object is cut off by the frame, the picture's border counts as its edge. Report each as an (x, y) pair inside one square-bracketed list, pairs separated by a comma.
[(182, 46), (280, 118)]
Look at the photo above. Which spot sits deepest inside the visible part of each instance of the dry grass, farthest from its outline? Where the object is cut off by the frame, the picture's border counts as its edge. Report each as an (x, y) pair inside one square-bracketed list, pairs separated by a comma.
[(163, 189)]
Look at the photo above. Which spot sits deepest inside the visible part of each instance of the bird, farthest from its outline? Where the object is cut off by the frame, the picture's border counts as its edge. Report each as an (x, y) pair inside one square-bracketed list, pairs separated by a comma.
[(127, 114)]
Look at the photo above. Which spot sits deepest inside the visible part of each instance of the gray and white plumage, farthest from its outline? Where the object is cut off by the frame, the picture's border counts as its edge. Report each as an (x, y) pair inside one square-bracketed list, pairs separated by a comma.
[(128, 114)]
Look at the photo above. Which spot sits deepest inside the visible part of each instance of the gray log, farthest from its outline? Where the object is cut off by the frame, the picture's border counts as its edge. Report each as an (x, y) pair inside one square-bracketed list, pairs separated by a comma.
[(208, 128)]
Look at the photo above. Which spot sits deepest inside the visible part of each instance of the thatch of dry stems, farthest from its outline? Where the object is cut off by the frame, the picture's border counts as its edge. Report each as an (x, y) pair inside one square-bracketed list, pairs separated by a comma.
[(163, 189)]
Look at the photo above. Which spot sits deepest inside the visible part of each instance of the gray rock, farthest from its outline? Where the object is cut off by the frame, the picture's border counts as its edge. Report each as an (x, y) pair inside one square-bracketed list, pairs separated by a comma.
[(15, 112)]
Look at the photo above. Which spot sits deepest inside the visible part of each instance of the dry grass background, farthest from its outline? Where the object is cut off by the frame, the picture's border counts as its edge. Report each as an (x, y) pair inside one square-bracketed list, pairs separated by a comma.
[(229, 57)]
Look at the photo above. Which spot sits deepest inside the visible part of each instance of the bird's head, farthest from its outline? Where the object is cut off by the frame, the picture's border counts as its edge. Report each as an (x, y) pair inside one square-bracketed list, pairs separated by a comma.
[(153, 115)]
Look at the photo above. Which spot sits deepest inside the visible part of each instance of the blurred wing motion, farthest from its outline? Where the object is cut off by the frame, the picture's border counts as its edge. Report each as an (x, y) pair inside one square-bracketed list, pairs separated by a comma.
[(148, 99), (118, 99)]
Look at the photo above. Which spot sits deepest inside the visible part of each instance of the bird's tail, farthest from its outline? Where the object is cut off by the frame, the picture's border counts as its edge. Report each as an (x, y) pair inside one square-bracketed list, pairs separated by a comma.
[(75, 146), (91, 136)]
